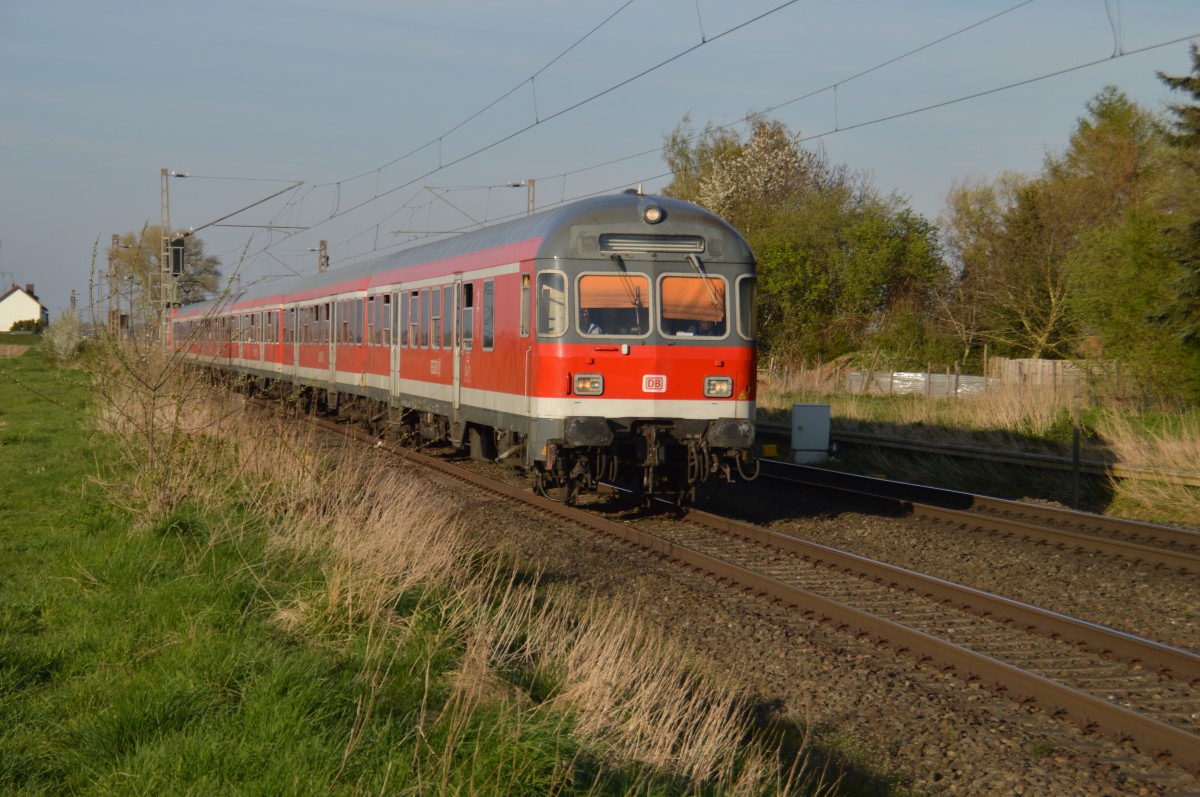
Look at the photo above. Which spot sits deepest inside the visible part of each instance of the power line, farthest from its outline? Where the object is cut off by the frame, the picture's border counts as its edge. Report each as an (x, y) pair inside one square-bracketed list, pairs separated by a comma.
[(338, 212), (704, 40), (493, 103), (1120, 53), (1016, 84)]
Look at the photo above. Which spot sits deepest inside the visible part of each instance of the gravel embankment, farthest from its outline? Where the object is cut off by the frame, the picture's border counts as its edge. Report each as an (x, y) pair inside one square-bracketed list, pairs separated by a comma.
[(898, 727)]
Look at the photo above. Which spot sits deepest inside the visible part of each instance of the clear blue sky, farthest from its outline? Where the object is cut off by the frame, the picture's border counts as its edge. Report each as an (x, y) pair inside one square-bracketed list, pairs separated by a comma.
[(96, 98)]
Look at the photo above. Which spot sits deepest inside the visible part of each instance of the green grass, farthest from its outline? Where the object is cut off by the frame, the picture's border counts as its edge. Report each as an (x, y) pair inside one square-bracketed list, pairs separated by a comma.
[(150, 658), (147, 662), (138, 662)]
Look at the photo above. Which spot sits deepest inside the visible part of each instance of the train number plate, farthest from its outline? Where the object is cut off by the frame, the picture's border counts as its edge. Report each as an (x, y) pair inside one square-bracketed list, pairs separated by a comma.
[(654, 383)]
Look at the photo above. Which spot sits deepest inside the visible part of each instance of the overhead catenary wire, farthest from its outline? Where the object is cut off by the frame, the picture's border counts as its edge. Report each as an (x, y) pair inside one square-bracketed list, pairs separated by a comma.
[(704, 40), (494, 102), (1120, 52), (443, 164)]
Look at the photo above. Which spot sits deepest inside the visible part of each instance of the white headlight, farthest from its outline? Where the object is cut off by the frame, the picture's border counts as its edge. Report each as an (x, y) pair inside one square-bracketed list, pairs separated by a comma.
[(588, 384), (718, 386)]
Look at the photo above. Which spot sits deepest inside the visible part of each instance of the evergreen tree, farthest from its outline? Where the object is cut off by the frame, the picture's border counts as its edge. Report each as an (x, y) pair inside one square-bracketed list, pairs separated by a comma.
[(1182, 314)]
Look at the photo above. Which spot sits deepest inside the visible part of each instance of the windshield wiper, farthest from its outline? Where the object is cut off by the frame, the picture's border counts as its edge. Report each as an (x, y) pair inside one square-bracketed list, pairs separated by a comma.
[(632, 290), (695, 261)]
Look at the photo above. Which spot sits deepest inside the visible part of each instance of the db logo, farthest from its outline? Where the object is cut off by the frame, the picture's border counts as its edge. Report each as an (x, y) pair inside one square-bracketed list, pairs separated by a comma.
[(654, 383)]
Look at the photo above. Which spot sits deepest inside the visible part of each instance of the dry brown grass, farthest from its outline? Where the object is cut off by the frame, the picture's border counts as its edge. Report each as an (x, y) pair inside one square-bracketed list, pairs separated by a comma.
[(1023, 411), (1020, 418), (382, 534), (1172, 446)]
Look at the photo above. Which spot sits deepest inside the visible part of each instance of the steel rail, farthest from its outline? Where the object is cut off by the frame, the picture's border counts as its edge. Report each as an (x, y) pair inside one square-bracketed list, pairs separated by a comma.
[(1180, 664), (1089, 711), (959, 507)]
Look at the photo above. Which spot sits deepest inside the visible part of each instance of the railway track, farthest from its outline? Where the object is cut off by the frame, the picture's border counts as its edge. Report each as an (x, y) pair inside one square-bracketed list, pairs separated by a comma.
[(1135, 691), (1160, 546)]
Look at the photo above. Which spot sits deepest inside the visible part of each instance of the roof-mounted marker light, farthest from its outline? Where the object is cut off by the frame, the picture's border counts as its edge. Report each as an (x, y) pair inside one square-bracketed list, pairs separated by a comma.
[(653, 214)]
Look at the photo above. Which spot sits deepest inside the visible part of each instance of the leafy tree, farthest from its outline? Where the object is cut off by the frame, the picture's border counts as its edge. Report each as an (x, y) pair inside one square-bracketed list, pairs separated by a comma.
[(136, 271), (839, 266), (971, 226), (1011, 239)]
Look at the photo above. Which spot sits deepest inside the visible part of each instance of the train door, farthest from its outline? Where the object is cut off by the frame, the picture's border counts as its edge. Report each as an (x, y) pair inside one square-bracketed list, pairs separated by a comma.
[(333, 314), (394, 369), (294, 321), (276, 322), (457, 354), (260, 337)]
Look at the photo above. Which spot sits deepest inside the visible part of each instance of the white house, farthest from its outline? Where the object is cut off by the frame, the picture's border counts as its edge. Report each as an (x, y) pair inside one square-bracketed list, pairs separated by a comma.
[(21, 304)]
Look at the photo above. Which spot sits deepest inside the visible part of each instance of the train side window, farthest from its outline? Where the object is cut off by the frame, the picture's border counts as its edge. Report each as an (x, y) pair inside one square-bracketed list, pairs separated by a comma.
[(402, 300), (524, 305), (468, 313), (747, 318), (435, 318), (489, 314), (414, 319), (358, 321), (425, 318), (551, 303), (447, 317)]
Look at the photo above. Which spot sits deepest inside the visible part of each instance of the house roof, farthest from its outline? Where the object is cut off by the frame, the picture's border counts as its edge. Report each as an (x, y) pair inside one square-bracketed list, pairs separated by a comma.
[(18, 289)]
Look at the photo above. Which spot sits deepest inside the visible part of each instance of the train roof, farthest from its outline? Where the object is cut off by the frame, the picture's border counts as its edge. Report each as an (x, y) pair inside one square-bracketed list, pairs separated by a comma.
[(547, 229)]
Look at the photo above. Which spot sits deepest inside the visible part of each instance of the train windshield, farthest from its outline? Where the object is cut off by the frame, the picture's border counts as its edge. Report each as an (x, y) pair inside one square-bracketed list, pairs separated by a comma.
[(614, 304), (692, 306)]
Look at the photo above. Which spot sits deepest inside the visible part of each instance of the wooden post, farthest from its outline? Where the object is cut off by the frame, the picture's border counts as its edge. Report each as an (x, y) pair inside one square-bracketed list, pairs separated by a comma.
[(1076, 435), (870, 373), (985, 369)]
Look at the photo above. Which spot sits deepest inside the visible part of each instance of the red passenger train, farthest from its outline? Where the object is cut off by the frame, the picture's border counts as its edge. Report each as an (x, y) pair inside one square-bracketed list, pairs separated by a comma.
[(610, 340)]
